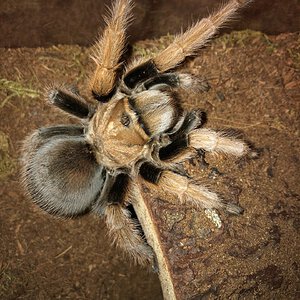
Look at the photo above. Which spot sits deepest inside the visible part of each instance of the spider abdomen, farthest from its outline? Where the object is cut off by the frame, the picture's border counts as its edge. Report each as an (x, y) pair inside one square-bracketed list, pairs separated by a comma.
[(61, 174)]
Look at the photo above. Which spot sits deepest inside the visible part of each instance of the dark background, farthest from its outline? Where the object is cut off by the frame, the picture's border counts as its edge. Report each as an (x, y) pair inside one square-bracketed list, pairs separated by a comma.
[(32, 23)]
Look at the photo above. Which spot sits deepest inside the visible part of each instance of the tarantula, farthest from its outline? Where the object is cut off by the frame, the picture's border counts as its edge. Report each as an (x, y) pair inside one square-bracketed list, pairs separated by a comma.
[(136, 132)]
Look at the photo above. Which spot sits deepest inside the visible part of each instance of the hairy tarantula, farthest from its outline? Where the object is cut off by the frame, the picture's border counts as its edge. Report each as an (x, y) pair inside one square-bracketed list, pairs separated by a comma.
[(136, 132)]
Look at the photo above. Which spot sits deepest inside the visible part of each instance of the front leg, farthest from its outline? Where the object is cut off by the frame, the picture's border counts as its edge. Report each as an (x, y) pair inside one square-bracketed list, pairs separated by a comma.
[(108, 51)]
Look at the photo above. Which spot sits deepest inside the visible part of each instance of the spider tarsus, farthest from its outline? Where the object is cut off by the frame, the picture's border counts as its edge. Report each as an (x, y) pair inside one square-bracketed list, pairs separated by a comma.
[(233, 209), (193, 84), (254, 153)]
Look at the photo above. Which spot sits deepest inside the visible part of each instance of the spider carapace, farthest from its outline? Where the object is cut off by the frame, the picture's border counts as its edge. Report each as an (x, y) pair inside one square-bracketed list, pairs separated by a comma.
[(136, 131)]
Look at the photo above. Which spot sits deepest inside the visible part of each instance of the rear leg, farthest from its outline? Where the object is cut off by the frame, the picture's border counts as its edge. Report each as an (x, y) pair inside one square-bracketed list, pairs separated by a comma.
[(124, 228), (126, 234)]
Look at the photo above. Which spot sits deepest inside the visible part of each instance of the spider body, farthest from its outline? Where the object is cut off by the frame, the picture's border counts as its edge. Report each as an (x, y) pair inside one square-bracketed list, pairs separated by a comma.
[(137, 132)]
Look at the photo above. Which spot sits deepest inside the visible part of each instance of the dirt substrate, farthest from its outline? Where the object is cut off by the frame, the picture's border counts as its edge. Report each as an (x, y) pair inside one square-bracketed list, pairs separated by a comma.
[(254, 88)]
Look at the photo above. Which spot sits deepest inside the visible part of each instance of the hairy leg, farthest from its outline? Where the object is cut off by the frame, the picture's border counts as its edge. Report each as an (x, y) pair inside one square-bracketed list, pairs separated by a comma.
[(124, 228), (178, 149), (190, 144), (108, 51), (189, 42), (69, 101), (174, 80), (126, 234), (147, 77), (184, 45), (114, 191), (187, 191), (218, 142)]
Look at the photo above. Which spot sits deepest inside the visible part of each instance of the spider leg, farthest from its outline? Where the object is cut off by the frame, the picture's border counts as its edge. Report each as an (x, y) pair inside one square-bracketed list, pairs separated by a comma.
[(187, 191), (125, 233), (114, 191), (189, 42), (108, 51), (178, 150), (192, 141), (124, 229), (60, 171), (70, 101), (192, 120), (217, 142), (184, 45), (173, 80)]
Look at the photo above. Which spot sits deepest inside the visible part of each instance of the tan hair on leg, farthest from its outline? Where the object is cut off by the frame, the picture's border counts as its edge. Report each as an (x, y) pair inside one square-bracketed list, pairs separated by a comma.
[(187, 192), (214, 141), (125, 234), (189, 42), (190, 193), (110, 47)]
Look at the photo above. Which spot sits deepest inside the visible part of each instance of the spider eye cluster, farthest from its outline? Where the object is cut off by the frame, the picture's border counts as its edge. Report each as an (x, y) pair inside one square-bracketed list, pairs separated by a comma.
[(125, 120)]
